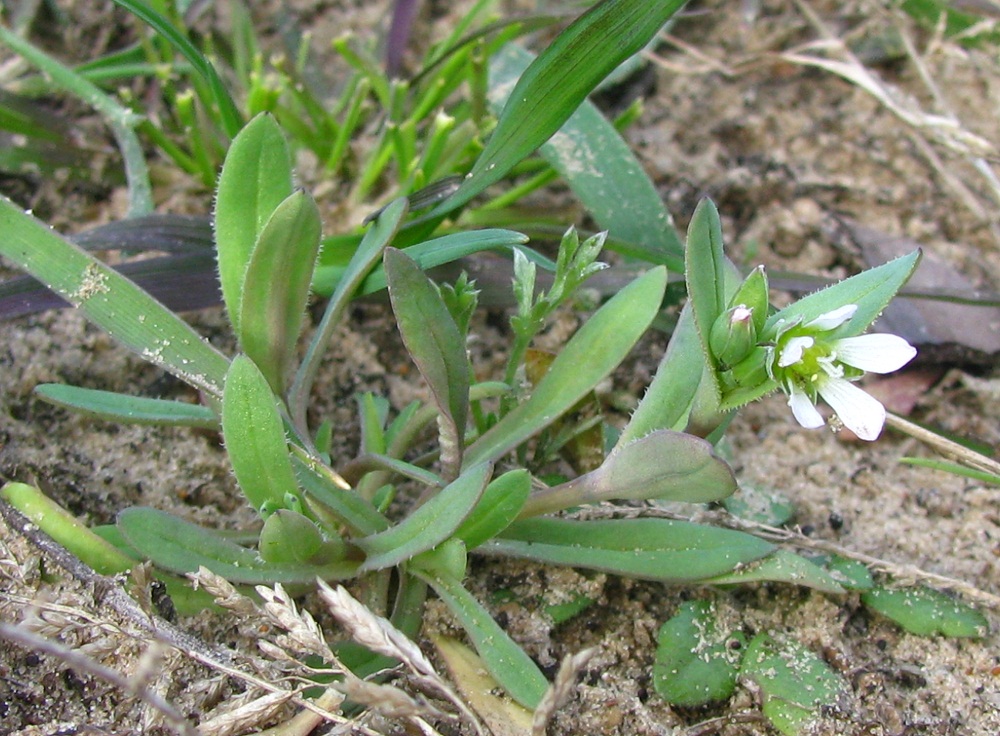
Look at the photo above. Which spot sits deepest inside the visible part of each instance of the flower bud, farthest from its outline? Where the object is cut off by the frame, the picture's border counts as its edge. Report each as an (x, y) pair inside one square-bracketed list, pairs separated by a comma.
[(753, 295), (733, 335), (288, 536)]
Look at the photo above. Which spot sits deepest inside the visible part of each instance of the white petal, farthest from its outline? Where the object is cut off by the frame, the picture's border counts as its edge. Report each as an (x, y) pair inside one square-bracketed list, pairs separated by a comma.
[(860, 413), (875, 353), (792, 352), (833, 319), (803, 410)]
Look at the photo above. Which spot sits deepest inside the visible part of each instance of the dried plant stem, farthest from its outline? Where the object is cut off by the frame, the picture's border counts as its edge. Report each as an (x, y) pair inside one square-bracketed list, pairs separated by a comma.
[(152, 628), (82, 663), (943, 445)]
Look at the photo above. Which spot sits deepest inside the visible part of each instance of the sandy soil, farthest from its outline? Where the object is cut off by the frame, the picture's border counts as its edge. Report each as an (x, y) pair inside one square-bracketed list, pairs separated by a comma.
[(786, 151)]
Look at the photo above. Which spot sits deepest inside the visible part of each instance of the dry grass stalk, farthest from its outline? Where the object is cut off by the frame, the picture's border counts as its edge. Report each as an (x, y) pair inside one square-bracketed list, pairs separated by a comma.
[(560, 690), (246, 715)]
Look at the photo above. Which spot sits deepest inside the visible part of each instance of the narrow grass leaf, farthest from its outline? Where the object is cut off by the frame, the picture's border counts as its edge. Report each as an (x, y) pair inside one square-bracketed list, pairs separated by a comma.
[(591, 354), (232, 121), (110, 301), (256, 177), (183, 547), (649, 549), (115, 407), (600, 168), (429, 525), (276, 286), (255, 435), (555, 84), (504, 659)]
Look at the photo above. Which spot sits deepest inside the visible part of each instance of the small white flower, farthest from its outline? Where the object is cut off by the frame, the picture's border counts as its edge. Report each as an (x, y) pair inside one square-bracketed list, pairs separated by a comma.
[(808, 366)]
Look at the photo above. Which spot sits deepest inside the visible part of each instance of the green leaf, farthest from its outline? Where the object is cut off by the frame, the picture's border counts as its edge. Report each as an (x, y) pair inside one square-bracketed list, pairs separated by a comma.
[(591, 354), (499, 506), (661, 465), (649, 549), (115, 407), (110, 301), (505, 660), (231, 118), (66, 529), (349, 507), (276, 287), (696, 664), (926, 612), (182, 547), (255, 435), (436, 346), (783, 566), (850, 574), (794, 683), (256, 177), (602, 171), (429, 525), (669, 397), (705, 271), (870, 290), (761, 506), (555, 84)]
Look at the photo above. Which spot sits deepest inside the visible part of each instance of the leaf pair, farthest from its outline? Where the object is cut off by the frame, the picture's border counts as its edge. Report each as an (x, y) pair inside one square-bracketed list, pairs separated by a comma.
[(268, 238)]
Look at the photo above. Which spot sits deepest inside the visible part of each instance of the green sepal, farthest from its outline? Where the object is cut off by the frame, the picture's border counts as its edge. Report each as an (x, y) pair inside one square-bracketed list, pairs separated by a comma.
[(288, 536)]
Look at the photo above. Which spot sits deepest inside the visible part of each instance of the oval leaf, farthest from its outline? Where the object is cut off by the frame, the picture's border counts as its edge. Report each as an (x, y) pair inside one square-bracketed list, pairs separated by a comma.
[(276, 286), (256, 177), (255, 436), (926, 612), (695, 664), (662, 465)]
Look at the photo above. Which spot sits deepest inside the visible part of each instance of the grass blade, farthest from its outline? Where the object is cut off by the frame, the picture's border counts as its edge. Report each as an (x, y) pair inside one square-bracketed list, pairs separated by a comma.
[(602, 171), (115, 407), (559, 80), (109, 300)]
